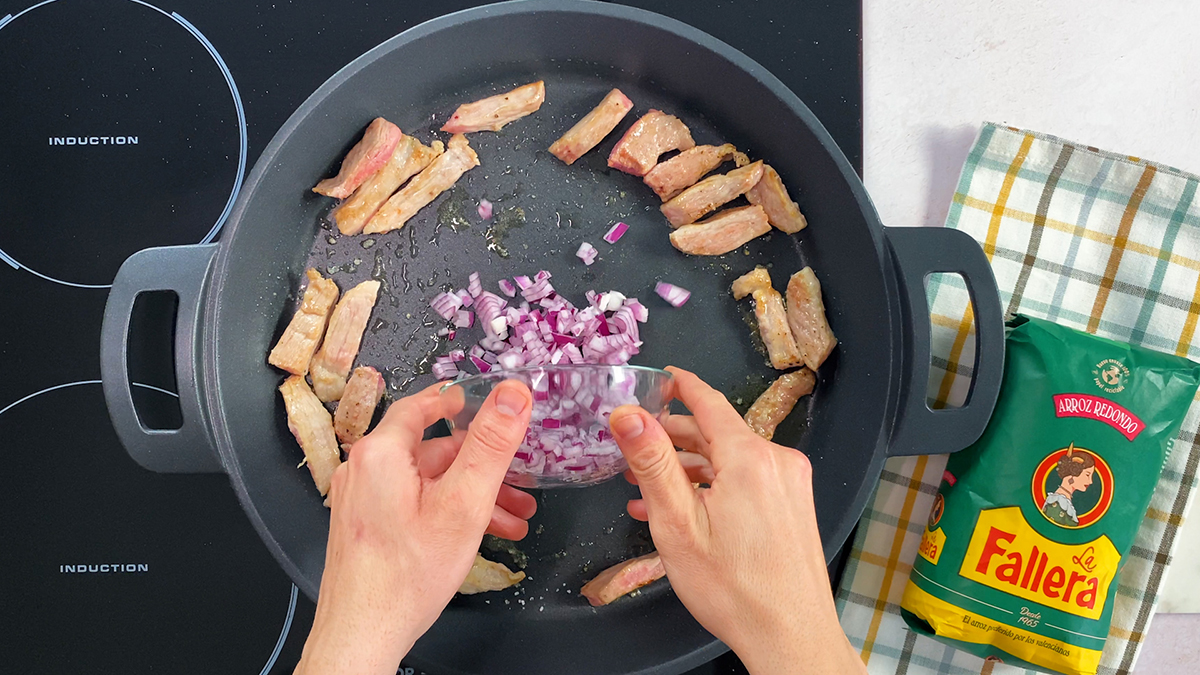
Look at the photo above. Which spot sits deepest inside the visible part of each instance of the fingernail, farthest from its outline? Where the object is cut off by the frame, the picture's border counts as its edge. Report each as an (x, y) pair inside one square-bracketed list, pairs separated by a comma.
[(510, 402), (629, 427)]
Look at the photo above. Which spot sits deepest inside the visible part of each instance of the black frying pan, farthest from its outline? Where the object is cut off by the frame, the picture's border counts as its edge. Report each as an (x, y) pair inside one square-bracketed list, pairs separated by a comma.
[(235, 298)]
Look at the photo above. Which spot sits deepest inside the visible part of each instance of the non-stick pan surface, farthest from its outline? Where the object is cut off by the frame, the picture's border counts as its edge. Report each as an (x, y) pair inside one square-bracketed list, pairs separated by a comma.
[(240, 302)]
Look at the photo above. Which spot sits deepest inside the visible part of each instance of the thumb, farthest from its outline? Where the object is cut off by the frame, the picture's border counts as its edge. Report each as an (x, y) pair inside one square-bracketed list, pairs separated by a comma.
[(491, 441), (666, 489)]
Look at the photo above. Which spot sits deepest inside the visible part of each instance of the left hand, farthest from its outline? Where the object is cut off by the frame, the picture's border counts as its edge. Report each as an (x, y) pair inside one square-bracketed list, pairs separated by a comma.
[(407, 517)]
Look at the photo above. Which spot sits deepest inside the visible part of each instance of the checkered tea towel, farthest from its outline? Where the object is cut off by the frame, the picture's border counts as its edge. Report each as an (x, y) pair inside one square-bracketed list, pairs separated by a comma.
[(1101, 242)]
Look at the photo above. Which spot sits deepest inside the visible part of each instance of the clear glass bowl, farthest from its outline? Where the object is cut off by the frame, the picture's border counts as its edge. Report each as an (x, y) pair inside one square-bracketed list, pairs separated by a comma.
[(568, 443)]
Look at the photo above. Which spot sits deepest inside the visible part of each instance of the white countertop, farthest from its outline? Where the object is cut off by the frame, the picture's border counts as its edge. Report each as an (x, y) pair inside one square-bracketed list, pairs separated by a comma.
[(1117, 74)]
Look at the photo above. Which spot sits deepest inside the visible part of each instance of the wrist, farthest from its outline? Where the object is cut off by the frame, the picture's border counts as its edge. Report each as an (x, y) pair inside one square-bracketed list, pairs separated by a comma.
[(354, 645), (799, 644), (362, 626)]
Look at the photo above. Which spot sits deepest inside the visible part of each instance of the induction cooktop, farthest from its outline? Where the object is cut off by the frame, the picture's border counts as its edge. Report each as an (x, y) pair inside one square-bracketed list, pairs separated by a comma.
[(126, 124)]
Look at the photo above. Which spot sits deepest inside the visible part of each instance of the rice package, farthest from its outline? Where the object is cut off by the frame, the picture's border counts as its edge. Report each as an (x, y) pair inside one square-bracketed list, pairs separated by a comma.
[(1021, 552)]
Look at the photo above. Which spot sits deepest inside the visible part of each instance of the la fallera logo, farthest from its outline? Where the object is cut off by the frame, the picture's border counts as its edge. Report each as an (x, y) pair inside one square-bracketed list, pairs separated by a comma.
[(1005, 553), (1072, 487)]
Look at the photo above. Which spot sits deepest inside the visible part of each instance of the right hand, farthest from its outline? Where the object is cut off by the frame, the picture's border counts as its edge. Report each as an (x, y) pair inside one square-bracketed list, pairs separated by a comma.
[(744, 555)]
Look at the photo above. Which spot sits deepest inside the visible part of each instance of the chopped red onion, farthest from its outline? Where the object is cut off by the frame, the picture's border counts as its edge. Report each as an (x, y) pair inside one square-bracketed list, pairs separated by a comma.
[(673, 294), (499, 327), (464, 319), (474, 287), (445, 371), (640, 313), (587, 253), (446, 304), (568, 436), (615, 233), (491, 344), (611, 301), (511, 359), (540, 289), (466, 297), (485, 209)]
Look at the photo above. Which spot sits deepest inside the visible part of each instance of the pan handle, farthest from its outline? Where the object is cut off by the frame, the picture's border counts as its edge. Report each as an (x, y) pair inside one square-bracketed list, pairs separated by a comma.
[(183, 270), (918, 252)]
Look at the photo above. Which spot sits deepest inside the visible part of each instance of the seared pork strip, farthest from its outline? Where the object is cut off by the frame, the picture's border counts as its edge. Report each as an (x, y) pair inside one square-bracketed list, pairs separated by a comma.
[(806, 317), (777, 401), (723, 232), (486, 575), (493, 112), (772, 317), (365, 158), (707, 195), (655, 133), (623, 578), (295, 348), (332, 364), (357, 405), (589, 131), (774, 329), (755, 279), (310, 423), (671, 177), (410, 157), (442, 172), (773, 197)]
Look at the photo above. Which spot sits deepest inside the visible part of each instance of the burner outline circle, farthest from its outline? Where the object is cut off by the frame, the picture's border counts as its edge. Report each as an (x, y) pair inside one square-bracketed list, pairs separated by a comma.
[(242, 134), (291, 612)]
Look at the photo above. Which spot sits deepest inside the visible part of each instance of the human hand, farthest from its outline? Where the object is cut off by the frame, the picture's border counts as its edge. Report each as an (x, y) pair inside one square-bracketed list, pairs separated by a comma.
[(744, 555), (407, 517)]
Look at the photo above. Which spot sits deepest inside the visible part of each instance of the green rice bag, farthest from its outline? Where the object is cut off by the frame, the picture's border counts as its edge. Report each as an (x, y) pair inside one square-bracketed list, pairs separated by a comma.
[(1020, 555)]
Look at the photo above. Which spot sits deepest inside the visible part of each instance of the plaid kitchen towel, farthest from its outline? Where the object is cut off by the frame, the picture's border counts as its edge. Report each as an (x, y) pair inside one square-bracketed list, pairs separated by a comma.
[(1101, 242)]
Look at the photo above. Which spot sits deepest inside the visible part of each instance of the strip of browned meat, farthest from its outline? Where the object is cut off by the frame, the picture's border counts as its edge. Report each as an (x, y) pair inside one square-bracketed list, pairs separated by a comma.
[(442, 172), (332, 364), (770, 194), (772, 317), (723, 232), (589, 131), (312, 426), (671, 177), (486, 575), (706, 196), (357, 405), (410, 157), (365, 158), (777, 401), (295, 348), (773, 327), (655, 133), (806, 316), (755, 279), (623, 578), (493, 112)]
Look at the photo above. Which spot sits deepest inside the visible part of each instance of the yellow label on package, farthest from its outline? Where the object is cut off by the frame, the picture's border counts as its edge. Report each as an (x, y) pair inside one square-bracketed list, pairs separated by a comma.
[(1008, 555), (932, 544)]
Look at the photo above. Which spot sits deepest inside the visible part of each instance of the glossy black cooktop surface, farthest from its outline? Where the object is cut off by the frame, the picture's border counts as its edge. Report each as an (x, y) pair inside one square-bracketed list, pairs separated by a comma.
[(129, 124)]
